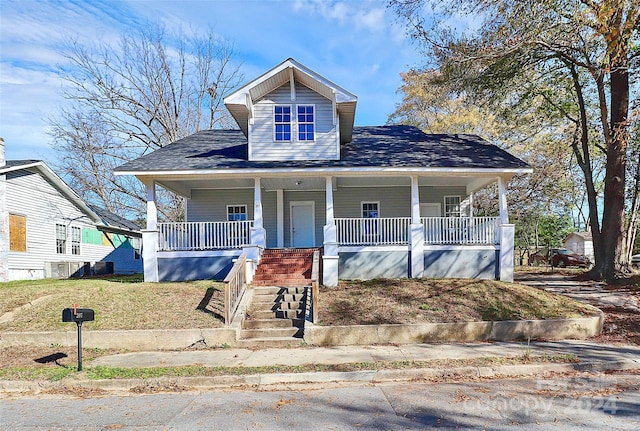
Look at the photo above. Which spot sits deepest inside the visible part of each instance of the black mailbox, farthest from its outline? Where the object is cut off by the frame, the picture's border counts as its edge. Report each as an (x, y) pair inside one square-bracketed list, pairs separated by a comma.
[(77, 315)]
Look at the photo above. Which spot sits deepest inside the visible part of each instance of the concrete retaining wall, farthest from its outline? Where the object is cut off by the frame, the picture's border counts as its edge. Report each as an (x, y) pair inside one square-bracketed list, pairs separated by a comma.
[(137, 340), (454, 332)]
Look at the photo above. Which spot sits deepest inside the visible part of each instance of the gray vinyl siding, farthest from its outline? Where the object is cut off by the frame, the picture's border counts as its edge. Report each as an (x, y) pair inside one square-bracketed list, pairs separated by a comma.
[(262, 145), (211, 205), (437, 194), (31, 195), (394, 201)]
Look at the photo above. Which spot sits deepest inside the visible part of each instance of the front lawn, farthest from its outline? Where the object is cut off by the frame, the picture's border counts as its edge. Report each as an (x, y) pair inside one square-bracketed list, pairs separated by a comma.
[(118, 302), (383, 301)]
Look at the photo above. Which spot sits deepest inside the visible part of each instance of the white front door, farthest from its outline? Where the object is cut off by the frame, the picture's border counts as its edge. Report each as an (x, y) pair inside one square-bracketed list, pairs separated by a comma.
[(303, 224)]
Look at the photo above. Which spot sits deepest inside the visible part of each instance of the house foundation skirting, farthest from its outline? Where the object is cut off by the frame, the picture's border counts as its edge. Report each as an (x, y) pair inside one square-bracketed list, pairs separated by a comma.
[(440, 261), (195, 265)]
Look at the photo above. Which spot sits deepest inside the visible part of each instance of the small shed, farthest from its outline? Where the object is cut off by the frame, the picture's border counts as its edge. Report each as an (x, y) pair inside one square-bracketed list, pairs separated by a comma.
[(580, 243)]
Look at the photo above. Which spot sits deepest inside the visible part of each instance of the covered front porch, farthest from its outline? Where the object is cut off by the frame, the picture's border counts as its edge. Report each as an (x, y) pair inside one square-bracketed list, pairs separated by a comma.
[(384, 224)]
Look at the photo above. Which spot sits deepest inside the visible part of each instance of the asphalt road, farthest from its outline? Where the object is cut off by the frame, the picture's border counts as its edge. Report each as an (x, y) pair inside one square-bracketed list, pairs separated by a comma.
[(584, 401)]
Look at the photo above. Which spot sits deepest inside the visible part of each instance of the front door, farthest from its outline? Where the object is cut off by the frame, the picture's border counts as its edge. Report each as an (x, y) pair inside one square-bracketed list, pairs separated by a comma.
[(303, 224)]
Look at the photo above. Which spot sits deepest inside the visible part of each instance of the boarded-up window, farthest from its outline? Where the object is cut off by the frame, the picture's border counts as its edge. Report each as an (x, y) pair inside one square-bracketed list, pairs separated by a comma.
[(17, 232)]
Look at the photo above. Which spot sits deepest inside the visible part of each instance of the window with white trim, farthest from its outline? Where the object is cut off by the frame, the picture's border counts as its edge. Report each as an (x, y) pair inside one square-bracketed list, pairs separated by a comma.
[(370, 210), (306, 124), (75, 240), (61, 238), (282, 122), (136, 243), (236, 212), (452, 206)]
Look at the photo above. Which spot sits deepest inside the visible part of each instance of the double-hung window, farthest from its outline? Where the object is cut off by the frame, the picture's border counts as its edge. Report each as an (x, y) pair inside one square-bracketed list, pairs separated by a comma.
[(306, 129), (236, 212), (452, 206), (282, 120), (371, 212), (61, 238), (75, 240)]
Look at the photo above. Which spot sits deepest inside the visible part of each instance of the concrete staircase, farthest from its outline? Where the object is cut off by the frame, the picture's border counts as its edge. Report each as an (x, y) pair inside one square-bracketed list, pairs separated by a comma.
[(276, 315)]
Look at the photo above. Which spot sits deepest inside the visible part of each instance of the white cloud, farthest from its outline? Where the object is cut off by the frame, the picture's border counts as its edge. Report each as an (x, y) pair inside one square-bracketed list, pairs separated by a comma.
[(373, 20)]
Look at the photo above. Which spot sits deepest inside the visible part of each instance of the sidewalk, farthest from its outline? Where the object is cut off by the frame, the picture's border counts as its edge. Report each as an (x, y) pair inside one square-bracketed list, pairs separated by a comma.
[(592, 357), (584, 350)]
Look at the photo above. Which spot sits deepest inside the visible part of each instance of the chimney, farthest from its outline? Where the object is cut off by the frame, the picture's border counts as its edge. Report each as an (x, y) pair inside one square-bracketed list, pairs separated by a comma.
[(2, 159)]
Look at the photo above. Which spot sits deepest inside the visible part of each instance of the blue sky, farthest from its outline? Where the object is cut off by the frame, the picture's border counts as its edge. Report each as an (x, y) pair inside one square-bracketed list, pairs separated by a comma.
[(358, 44)]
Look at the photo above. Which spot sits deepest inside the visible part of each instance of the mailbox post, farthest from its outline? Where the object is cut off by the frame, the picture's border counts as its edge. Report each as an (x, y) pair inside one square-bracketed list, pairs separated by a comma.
[(78, 315)]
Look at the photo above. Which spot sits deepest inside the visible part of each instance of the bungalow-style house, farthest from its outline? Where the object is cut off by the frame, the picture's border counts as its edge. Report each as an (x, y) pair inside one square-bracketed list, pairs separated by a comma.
[(47, 230), (381, 201)]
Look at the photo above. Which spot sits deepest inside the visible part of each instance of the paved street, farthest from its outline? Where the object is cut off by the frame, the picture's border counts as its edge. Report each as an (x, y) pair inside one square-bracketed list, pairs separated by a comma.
[(585, 401)]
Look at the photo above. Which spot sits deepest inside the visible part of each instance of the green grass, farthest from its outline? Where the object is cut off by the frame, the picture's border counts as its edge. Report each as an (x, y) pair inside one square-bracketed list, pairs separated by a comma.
[(394, 301), (57, 373), (120, 303)]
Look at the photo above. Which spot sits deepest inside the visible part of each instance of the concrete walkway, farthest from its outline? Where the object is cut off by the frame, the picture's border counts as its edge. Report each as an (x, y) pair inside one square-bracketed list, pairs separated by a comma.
[(584, 350), (591, 292)]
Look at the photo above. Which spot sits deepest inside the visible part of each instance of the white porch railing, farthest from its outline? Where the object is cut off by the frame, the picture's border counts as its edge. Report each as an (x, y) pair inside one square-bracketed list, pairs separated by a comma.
[(373, 231), (461, 230), (188, 236)]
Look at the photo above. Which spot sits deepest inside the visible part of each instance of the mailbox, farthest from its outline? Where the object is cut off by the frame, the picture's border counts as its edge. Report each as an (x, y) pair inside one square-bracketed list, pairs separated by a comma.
[(77, 315)]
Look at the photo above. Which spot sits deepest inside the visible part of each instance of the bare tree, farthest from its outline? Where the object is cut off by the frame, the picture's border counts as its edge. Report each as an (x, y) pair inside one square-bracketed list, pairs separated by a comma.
[(131, 98)]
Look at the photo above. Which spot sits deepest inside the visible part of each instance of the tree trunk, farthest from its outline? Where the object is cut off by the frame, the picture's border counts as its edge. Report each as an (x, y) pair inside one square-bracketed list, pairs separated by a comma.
[(614, 186)]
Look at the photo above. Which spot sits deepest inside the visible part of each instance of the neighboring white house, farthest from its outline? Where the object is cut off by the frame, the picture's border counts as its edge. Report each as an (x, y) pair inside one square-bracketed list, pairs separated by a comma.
[(46, 230), (580, 243), (381, 201)]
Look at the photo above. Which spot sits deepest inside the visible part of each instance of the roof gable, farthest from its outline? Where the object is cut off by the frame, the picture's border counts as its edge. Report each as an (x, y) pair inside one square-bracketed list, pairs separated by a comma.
[(44, 170), (240, 102)]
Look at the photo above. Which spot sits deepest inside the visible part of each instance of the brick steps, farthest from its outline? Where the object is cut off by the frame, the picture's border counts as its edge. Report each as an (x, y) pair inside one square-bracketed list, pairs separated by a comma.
[(276, 315)]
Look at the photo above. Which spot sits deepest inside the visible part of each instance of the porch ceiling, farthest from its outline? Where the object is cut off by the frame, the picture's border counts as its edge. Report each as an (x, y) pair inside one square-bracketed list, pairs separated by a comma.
[(301, 182)]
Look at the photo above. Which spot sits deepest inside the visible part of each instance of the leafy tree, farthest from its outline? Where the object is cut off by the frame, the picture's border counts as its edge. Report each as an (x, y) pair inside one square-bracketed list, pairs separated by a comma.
[(129, 98), (431, 104), (588, 49)]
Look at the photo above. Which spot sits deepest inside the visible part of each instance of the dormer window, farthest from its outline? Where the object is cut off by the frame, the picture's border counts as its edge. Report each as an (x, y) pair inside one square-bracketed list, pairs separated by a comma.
[(306, 129), (282, 120)]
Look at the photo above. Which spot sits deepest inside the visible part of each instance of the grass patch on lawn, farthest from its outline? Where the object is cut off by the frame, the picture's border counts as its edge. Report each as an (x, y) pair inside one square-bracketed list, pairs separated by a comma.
[(385, 301), (123, 303), (58, 373)]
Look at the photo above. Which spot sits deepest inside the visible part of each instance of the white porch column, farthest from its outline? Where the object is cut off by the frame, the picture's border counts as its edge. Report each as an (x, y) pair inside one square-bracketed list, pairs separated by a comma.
[(507, 236), (258, 233), (280, 218), (416, 240), (150, 234), (330, 256), (502, 201)]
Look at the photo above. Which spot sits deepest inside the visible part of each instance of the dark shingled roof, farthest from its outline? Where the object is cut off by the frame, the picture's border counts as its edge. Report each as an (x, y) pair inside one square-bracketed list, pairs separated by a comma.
[(376, 146), (14, 163), (111, 219)]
